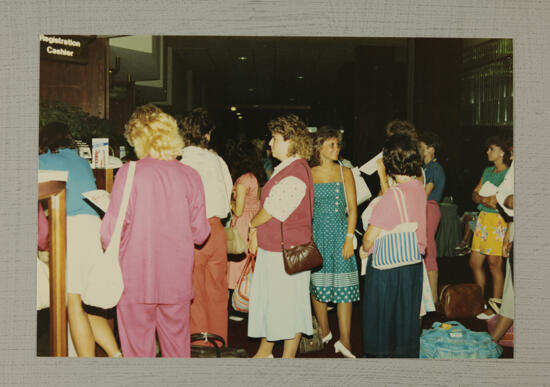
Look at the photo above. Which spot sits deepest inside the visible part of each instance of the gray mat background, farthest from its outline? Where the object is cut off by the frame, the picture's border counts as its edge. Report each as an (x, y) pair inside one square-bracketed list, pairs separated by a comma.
[(524, 21)]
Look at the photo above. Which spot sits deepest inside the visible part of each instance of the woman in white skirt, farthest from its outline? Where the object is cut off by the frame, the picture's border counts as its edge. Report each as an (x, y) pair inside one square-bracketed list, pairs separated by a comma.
[(280, 307), (58, 152)]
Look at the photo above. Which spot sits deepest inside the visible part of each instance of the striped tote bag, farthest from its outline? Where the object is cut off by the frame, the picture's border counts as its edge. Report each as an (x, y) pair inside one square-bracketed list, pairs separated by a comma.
[(397, 247)]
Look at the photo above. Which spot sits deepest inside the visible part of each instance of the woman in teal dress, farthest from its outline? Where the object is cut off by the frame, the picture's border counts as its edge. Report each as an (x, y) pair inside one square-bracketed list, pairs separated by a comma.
[(337, 280)]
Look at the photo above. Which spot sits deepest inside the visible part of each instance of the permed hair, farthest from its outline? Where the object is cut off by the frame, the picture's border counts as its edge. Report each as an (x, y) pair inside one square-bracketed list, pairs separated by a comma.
[(401, 127), (195, 126), (322, 135), (431, 139), (401, 157), (54, 136), (153, 133), (503, 143), (292, 128)]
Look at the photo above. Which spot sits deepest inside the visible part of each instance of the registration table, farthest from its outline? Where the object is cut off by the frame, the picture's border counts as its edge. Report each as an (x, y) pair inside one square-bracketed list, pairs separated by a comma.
[(54, 192)]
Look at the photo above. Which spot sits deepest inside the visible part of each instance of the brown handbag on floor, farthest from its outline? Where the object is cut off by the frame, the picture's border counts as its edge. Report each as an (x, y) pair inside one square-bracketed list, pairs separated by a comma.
[(311, 343), (461, 301), (301, 257)]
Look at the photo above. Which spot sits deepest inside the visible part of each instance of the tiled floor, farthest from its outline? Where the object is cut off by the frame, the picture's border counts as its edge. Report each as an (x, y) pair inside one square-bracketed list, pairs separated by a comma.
[(451, 270)]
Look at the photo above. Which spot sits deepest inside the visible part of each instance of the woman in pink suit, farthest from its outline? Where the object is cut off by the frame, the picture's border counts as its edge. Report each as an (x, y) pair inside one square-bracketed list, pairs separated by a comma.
[(166, 217)]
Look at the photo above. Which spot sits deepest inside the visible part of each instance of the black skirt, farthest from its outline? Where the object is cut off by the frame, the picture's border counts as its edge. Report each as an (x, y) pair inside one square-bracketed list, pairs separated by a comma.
[(391, 311)]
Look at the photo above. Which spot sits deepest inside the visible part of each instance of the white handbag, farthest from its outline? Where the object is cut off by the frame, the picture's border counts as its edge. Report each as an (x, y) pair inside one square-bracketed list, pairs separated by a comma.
[(105, 284)]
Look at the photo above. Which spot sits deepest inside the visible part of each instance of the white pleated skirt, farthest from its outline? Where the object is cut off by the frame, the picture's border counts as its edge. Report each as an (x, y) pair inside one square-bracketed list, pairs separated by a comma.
[(280, 304)]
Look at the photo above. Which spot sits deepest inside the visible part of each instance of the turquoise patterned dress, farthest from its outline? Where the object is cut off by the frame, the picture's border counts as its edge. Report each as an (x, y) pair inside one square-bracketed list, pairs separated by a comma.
[(337, 280)]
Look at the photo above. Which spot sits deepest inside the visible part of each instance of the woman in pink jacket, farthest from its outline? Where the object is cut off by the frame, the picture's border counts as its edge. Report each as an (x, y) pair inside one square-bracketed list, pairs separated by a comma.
[(165, 218)]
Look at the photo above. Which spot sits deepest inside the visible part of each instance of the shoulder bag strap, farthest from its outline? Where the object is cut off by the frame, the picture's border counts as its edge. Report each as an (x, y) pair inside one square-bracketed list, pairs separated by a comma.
[(344, 184), (310, 206), (401, 206), (123, 204)]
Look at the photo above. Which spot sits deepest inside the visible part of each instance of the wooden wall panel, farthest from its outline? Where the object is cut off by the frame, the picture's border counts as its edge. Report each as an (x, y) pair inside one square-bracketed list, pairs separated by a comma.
[(378, 98), (437, 108), (80, 85)]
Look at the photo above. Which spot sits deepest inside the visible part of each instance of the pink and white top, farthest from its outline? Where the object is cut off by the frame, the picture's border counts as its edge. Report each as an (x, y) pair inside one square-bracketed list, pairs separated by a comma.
[(166, 217), (386, 215)]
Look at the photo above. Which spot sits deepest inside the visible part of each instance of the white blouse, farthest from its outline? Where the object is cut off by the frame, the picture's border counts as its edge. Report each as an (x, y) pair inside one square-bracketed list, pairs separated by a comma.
[(215, 177), (286, 195)]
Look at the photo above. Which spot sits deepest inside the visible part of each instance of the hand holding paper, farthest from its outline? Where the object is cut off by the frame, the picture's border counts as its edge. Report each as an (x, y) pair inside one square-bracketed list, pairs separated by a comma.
[(488, 189), (99, 198), (371, 166)]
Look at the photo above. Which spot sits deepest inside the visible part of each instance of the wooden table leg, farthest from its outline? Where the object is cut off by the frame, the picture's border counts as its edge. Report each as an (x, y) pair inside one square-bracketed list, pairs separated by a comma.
[(58, 310)]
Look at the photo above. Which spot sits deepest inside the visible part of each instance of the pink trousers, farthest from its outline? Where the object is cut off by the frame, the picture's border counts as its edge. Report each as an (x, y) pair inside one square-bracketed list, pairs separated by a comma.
[(433, 215), (137, 324), (209, 307)]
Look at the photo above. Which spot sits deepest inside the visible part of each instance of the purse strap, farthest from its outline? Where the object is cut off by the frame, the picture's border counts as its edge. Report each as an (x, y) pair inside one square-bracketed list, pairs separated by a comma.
[(344, 184), (310, 206), (124, 204)]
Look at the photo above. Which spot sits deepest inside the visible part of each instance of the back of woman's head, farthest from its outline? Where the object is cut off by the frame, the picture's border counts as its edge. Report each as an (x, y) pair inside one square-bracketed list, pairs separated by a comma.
[(401, 127), (245, 158), (153, 133), (54, 136), (401, 157), (323, 134), (503, 142), (292, 128), (195, 126)]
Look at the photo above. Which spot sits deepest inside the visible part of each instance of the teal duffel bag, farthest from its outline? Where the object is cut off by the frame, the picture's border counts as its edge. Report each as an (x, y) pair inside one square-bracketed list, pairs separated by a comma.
[(451, 340)]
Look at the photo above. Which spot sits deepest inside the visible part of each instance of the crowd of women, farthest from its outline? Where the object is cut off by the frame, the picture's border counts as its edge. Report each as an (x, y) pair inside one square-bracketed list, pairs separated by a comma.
[(173, 251)]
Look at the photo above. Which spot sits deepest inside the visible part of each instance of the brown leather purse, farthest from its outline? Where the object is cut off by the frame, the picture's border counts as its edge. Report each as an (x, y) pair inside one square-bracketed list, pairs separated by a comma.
[(301, 257), (460, 301)]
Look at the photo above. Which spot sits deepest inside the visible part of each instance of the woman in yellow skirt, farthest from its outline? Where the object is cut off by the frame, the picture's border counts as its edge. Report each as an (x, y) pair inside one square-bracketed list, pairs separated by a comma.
[(490, 227)]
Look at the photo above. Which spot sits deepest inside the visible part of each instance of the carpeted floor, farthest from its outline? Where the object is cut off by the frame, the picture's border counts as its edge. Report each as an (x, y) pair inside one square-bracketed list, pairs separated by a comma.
[(451, 270)]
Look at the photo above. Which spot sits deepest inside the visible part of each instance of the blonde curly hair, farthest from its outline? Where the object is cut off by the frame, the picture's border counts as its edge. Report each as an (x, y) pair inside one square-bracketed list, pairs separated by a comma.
[(153, 133), (292, 128)]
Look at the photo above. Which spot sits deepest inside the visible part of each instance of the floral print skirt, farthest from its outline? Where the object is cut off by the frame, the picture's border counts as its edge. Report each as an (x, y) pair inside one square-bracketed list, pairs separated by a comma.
[(489, 234)]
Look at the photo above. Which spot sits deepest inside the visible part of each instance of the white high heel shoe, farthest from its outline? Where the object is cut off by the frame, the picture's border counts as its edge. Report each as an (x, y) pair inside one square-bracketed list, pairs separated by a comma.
[(327, 338), (339, 347)]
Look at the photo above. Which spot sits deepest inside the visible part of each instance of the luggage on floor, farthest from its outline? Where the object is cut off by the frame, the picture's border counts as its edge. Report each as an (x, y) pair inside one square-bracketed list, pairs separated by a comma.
[(311, 343), (451, 340), (508, 339), (215, 348), (461, 301)]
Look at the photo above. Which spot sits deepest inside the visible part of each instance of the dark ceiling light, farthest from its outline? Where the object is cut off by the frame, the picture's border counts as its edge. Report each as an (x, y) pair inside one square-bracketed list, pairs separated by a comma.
[(240, 117), (300, 77), (242, 58), (292, 99), (251, 89)]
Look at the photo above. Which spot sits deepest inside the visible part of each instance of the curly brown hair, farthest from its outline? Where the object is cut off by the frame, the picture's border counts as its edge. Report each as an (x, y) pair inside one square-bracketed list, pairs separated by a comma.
[(401, 127), (292, 128), (195, 126), (323, 134), (401, 157)]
